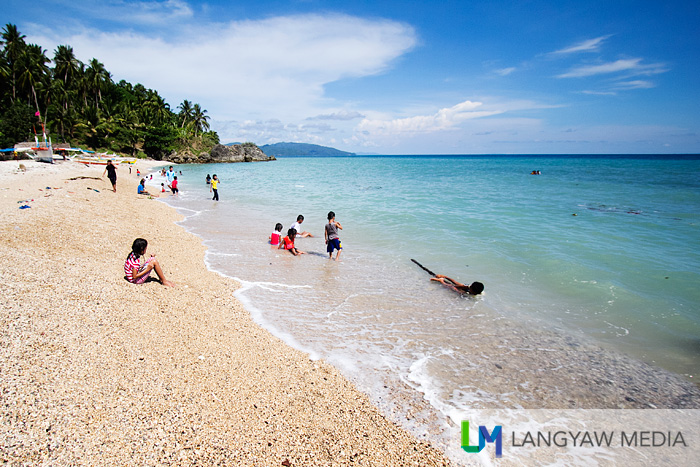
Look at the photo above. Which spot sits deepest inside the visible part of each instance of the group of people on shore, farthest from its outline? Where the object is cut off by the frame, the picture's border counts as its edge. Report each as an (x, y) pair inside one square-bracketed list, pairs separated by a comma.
[(287, 243), (111, 172), (138, 272)]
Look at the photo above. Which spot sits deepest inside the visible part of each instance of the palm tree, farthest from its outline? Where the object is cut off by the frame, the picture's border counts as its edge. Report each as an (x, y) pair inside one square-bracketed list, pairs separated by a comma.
[(155, 108), (186, 112), (97, 77), (64, 118), (66, 66), (82, 85), (33, 69), (14, 45), (59, 93), (4, 67), (199, 119)]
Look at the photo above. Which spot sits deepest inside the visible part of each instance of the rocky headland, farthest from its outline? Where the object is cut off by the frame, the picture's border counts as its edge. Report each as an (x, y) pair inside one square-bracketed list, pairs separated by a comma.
[(246, 152)]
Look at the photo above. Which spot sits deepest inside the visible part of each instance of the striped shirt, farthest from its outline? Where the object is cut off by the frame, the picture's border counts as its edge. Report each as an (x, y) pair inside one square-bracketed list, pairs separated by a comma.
[(132, 261)]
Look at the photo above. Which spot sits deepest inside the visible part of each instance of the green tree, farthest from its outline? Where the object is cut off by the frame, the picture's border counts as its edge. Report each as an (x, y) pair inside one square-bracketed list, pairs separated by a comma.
[(66, 66), (33, 70), (199, 119), (16, 124), (14, 45), (97, 77), (186, 113), (159, 141), (156, 110)]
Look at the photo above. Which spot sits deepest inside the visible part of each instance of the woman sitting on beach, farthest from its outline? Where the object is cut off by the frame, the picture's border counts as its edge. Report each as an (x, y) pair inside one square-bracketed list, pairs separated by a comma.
[(142, 189), (138, 273)]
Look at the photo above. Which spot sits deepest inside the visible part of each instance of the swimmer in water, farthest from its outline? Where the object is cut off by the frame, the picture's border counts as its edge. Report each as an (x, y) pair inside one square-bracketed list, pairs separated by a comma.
[(474, 289)]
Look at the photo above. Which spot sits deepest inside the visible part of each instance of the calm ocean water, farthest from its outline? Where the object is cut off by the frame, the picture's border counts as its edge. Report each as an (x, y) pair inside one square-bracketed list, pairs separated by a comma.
[(605, 249)]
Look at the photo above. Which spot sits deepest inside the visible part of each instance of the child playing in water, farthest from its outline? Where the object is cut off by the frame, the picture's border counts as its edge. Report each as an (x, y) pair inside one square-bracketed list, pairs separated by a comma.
[(331, 234), (136, 272), (288, 243), (276, 236), (475, 289), (297, 226)]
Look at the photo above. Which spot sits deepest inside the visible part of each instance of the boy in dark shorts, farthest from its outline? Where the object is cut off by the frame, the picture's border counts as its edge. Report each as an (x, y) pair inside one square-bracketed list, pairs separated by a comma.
[(331, 234), (111, 172)]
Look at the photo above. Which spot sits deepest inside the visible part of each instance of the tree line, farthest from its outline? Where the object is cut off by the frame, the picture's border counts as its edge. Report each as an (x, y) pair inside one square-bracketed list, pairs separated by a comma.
[(80, 104)]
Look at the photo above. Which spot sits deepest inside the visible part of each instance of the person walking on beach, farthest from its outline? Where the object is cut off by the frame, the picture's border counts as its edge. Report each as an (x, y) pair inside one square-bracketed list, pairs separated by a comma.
[(173, 186), (111, 172), (214, 187), (475, 289), (137, 272), (288, 243), (297, 226), (331, 235)]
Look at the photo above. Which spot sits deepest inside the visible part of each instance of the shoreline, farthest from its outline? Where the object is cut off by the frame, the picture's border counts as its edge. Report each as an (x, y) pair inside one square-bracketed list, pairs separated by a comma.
[(100, 371), (522, 369)]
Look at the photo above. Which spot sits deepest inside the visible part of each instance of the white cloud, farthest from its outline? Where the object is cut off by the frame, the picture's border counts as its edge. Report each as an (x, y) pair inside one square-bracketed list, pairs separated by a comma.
[(599, 93), (635, 84), (590, 45), (505, 71), (631, 66), (444, 119), (341, 115), (153, 13), (276, 66)]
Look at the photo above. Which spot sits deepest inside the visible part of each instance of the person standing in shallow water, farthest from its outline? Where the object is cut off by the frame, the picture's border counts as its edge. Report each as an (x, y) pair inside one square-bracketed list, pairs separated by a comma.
[(111, 172), (331, 234), (214, 187)]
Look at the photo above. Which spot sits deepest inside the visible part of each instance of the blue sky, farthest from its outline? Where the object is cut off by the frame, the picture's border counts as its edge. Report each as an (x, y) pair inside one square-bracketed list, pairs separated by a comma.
[(390, 77)]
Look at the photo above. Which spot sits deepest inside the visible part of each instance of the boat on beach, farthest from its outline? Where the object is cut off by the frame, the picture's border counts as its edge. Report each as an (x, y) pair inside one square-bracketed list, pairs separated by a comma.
[(41, 152), (102, 159)]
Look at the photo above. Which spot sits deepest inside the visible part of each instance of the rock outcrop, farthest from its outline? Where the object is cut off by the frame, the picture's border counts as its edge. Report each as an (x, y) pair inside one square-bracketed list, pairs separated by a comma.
[(220, 153)]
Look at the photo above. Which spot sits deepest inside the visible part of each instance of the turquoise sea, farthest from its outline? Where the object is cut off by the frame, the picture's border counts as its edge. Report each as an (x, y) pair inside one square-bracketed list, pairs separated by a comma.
[(603, 250)]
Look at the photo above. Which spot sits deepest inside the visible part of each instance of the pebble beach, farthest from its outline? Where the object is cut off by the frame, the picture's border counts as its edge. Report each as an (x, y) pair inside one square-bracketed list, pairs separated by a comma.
[(98, 371)]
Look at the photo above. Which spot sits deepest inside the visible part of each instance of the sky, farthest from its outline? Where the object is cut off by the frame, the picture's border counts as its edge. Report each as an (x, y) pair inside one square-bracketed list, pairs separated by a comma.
[(404, 77)]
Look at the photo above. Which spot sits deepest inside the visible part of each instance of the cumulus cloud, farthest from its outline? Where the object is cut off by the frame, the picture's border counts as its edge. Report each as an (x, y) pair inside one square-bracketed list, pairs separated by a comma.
[(444, 119), (590, 45), (630, 66), (275, 66)]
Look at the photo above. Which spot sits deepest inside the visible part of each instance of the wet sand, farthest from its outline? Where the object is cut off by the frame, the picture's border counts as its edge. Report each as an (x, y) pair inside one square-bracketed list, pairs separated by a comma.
[(98, 371)]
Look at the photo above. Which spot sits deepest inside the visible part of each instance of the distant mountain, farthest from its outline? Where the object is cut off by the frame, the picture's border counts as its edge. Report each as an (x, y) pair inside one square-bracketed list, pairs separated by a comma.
[(301, 149)]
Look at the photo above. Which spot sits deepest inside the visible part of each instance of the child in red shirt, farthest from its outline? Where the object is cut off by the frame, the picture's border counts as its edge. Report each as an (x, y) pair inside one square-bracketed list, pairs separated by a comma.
[(288, 243)]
